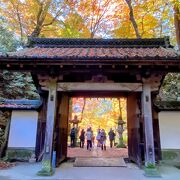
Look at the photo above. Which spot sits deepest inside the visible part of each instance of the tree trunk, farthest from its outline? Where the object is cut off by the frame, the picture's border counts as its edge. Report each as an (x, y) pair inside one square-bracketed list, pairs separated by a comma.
[(92, 35), (177, 24), (82, 112), (36, 31), (120, 109), (132, 19), (42, 13)]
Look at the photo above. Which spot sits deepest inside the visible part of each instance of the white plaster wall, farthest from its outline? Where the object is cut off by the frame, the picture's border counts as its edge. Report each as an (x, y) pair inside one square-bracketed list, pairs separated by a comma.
[(169, 124), (23, 129)]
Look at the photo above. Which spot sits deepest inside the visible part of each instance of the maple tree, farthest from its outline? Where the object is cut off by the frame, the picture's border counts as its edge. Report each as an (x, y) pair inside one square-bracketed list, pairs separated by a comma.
[(74, 27), (97, 15), (145, 19), (92, 18), (32, 18), (132, 18)]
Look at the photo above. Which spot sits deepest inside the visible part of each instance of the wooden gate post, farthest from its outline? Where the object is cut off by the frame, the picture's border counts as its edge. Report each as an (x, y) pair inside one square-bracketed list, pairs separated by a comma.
[(148, 126), (48, 145)]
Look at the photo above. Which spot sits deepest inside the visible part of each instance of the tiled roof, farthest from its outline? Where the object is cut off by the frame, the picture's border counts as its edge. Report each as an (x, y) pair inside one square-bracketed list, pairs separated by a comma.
[(20, 104), (95, 53), (97, 49)]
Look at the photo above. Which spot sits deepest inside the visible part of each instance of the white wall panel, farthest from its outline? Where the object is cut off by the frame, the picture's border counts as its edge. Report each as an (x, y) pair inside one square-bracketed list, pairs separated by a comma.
[(23, 129), (169, 124)]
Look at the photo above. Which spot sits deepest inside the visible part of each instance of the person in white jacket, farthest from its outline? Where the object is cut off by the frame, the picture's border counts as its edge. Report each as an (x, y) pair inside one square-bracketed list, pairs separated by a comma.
[(89, 139)]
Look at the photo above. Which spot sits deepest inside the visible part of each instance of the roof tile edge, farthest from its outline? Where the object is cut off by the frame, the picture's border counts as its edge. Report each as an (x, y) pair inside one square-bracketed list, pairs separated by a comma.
[(113, 43)]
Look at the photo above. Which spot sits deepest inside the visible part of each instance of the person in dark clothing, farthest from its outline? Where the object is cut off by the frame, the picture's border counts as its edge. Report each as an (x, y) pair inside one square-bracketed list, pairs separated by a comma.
[(82, 138), (73, 136), (111, 137)]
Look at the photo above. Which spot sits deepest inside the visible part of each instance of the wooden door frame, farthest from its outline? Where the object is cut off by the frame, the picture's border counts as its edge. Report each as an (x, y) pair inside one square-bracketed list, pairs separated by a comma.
[(141, 143), (100, 94), (133, 125), (61, 128)]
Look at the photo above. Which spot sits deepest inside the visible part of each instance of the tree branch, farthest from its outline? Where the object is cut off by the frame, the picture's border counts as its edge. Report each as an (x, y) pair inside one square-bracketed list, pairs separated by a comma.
[(16, 7), (54, 19), (132, 19)]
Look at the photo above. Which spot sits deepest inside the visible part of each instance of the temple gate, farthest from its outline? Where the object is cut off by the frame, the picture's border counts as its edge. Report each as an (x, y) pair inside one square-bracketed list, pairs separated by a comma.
[(133, 68)]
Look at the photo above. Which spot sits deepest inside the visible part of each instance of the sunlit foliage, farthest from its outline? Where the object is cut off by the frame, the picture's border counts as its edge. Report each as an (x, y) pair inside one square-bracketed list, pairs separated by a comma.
[(92, 18), (97, 113)]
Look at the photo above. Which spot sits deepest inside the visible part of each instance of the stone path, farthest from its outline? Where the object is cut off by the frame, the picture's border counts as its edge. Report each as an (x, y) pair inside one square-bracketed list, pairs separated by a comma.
[(99, 162), (97, 152)]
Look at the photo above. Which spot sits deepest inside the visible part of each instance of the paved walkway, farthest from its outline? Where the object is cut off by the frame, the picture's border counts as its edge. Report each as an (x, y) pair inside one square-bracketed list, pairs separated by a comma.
[(99, 162), (97, 152), (26, 171)]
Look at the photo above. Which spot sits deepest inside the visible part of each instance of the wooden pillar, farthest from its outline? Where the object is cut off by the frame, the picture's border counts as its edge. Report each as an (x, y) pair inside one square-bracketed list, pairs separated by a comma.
[(134, 151), (51, 113), (148, 126)]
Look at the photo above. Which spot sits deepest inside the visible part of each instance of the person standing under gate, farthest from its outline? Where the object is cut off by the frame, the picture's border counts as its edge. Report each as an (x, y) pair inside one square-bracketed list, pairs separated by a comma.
[(89, 139), (103, 139), (73, 136), (98, 138), (82, 138), (111, 137), (93, 137)]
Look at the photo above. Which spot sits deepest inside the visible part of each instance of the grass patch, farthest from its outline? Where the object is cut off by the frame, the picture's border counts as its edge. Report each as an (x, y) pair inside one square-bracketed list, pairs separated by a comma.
[(19, 155), (151, 171)]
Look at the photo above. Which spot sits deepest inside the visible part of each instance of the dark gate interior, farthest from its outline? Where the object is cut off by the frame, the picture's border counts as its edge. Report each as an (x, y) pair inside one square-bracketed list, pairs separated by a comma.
[(135, 130)]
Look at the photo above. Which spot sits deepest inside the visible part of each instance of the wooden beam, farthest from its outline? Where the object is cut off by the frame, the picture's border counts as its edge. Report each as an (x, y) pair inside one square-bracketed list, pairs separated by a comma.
[(43, 78), (155, 81), (99, 87)]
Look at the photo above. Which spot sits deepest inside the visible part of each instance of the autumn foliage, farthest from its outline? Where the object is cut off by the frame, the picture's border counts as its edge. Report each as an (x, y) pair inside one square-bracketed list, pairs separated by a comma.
[(98, 113), (92, 18)]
